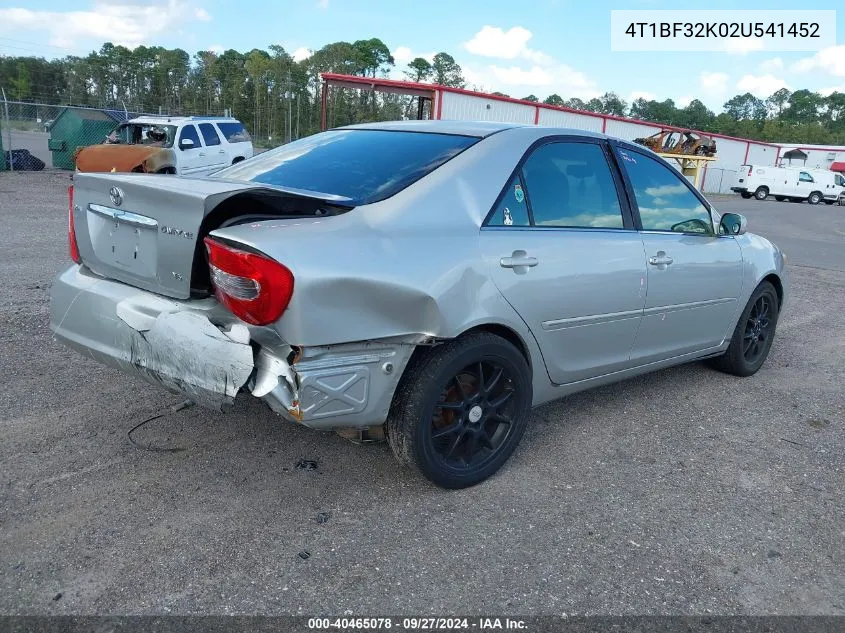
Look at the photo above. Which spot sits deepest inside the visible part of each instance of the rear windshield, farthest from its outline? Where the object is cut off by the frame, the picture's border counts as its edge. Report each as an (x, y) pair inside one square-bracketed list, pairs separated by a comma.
[(364, 165)]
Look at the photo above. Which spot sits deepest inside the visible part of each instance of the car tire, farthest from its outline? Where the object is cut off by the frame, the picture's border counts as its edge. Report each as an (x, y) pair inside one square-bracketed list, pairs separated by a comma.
[(455, 429), (762, 193), (780, 198), (746, 195), (815, 198), (753, 335)]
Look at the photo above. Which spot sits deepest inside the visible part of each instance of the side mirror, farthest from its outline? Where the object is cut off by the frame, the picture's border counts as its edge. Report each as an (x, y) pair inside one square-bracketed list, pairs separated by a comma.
[(186, 143), (733, 224)]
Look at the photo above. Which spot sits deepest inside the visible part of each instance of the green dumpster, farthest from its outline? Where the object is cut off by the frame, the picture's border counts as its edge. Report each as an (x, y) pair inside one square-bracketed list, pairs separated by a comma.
[(78, 127)]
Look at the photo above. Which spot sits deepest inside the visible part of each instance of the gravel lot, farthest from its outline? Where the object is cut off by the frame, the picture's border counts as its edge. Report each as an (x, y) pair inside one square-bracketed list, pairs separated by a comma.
[(686, 491)]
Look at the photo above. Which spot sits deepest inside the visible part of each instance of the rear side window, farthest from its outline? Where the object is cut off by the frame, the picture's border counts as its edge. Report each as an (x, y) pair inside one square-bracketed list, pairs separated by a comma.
[(209, 134), (513, 209), (234, 132), (363, 165)]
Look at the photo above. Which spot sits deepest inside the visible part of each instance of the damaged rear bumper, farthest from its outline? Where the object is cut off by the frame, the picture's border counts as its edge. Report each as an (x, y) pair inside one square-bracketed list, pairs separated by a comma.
[(198, 349)]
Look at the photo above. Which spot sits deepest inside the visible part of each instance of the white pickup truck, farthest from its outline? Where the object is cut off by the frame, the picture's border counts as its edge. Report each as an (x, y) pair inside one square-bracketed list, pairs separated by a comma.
[(790, 183)]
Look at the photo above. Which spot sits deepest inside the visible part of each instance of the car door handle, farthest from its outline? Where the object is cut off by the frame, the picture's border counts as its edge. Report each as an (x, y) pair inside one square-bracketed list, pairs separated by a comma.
[(222, 151), (201, 154), (661, 259), (518, 260)]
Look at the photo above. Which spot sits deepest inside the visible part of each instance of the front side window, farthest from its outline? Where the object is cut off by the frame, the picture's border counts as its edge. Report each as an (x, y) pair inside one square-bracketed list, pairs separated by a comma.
[(209, 134), (665, 201), (189, 132), (513, 208), (570, 185), (143, 134), (805, 177), (363, 165)]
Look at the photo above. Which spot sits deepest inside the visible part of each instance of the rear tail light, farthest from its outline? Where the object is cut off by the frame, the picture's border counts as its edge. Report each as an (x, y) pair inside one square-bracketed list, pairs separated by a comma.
[(71, 231), (253, 287)]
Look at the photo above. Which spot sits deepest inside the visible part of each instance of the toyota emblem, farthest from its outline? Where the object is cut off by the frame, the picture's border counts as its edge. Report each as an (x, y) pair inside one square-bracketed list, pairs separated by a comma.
[(116, 196)]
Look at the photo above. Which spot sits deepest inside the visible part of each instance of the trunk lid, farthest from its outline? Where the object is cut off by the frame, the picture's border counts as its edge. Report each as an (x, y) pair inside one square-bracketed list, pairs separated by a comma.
[(144, 229)]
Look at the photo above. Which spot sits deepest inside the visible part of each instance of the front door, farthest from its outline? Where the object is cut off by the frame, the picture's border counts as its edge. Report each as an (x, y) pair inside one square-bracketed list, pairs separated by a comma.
[(806, 184), (191, 156), (562, 249), (694, 275)]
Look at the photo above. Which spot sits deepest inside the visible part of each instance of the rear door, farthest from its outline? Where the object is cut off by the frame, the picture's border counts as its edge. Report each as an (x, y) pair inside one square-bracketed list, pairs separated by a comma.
[(191, 157), (215, 152), (561, 247), (694, 275)]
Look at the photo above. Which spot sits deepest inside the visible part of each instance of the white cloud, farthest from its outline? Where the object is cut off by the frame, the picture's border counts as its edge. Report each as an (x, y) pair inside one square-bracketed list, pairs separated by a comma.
[(831, 60), (640, 94), (714, 82), (403, 55), (826, 92), (492, 41), (323, 4), (761, 85), (772, 65), (301, 53), (217, 49), (542, 73), (129, 22), (684, 101)]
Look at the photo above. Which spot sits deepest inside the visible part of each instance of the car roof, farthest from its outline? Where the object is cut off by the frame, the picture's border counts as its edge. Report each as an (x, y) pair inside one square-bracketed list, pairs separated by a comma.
[(478, 129)]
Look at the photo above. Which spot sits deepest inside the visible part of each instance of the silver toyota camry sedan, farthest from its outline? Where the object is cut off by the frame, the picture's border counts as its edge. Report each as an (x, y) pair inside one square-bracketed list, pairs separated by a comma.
[(437, 279)]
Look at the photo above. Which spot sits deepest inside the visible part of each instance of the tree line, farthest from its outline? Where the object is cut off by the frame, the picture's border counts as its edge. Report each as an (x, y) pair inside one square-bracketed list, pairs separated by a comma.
[(278, 97)]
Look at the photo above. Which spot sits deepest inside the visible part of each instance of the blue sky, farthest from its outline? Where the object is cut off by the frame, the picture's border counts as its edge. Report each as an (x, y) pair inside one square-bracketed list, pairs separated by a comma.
[(527, 47)]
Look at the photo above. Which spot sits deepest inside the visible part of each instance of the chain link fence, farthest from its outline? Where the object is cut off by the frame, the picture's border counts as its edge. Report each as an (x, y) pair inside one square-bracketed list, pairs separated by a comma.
[(35, 136), (38, 136)]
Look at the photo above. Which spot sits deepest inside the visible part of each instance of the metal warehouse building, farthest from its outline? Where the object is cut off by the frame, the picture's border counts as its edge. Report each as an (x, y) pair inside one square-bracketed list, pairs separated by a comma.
[(444, 102)]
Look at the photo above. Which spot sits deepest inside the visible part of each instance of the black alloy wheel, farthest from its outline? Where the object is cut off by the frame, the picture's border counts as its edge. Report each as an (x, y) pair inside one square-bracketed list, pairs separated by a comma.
[(757, 329), (474, 416), (461, 408), (753, 335)]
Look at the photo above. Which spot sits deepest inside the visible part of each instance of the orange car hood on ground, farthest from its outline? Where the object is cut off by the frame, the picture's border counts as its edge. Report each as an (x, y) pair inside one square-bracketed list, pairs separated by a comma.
[(122, 158)]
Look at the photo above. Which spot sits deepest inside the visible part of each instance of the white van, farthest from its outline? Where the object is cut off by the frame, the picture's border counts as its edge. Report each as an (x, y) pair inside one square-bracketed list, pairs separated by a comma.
[(789, 183)]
